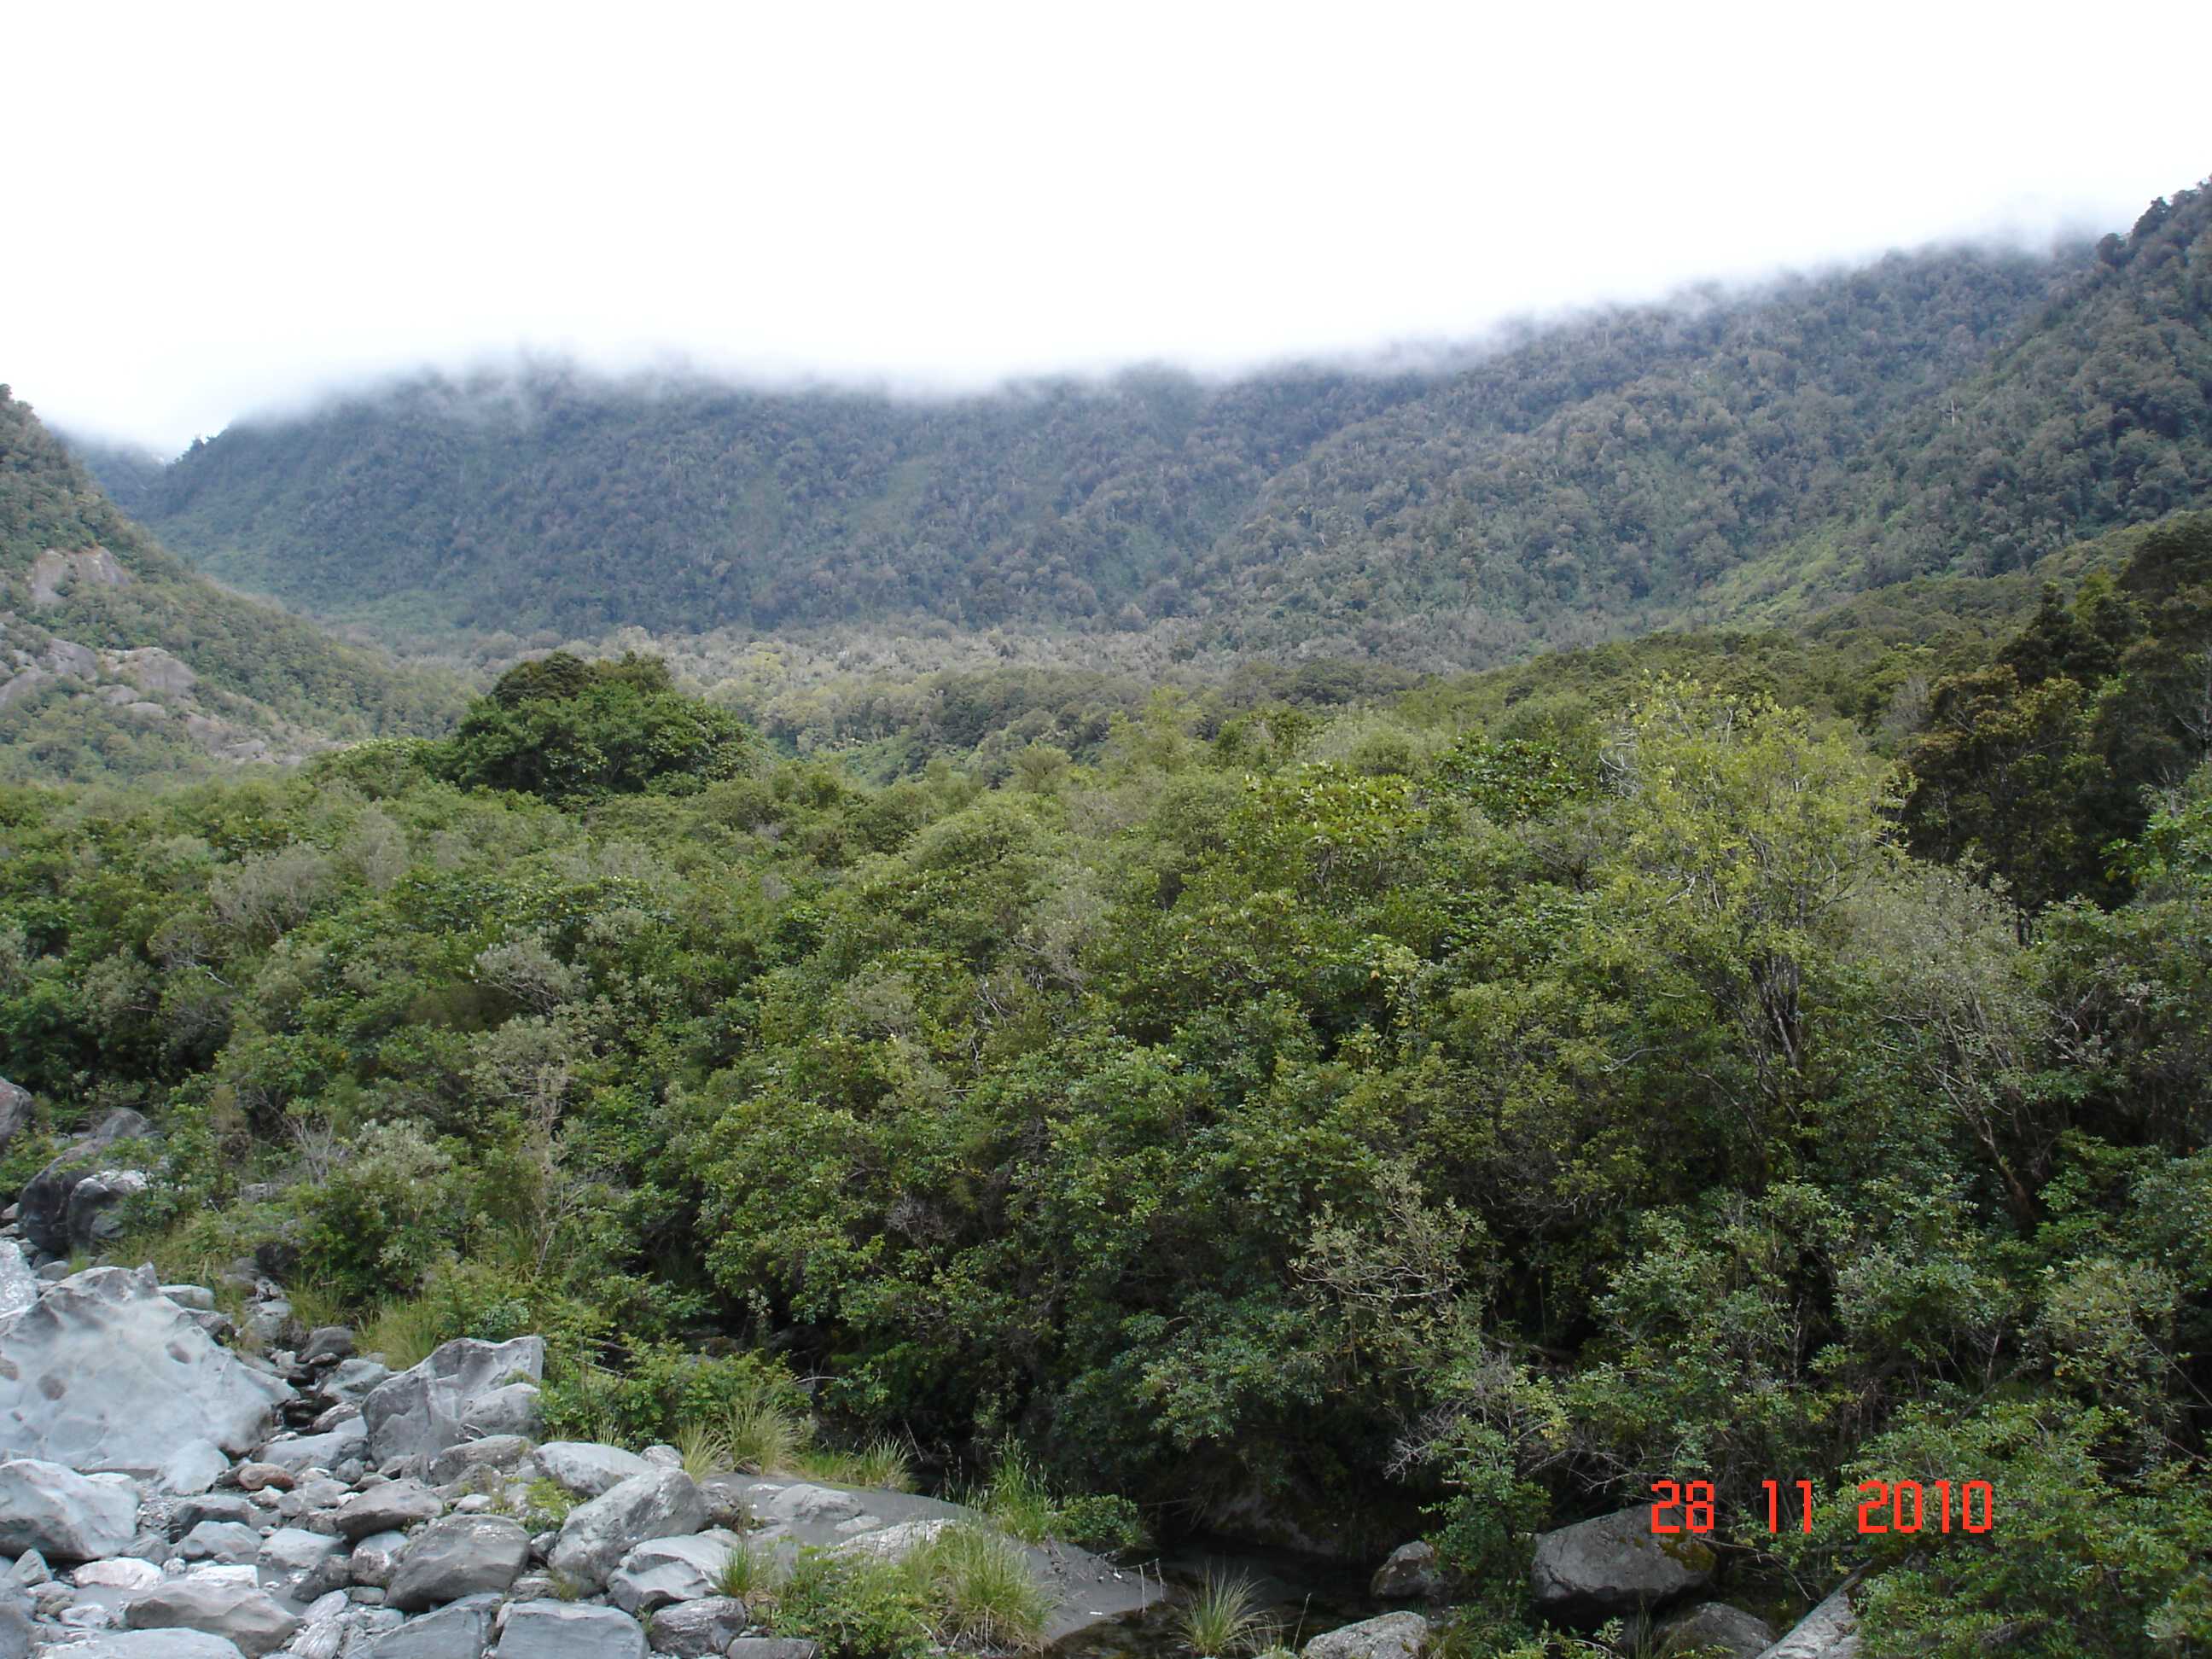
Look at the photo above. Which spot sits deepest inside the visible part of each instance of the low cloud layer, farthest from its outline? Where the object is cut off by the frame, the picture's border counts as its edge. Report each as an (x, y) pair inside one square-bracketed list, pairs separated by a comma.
[(230, 212)]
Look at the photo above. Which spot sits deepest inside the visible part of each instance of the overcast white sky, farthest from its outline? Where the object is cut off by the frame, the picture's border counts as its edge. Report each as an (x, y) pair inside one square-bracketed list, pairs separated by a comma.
[(221, 208)]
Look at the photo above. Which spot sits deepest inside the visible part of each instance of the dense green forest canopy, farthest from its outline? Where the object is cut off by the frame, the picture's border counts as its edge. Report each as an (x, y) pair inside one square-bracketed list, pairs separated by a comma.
[(1492, 1099), (116, 660), (1563, 484)]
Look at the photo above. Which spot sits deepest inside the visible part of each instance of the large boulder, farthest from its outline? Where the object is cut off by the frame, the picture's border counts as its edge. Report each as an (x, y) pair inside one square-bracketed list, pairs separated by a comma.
[(104, 1372), (585, 1466), (300, 1565), (569, 1629), (393, 1507), (1713, 1627), (1393, 1636), (1613, 1566), (460, 1630), (63, 1514), (1411, 1574), (597, 1535), (461, 1555), (1829, 1632), (18, 1286), (94, 1219), (699, 1630), (424, 1410), (239, 1612), (45, 1200), (662, 1572), (296, 1452)]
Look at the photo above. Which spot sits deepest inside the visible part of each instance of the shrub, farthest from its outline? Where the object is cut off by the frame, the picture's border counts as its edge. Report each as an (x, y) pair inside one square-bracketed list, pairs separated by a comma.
[(663, 1389), (852, 1606)]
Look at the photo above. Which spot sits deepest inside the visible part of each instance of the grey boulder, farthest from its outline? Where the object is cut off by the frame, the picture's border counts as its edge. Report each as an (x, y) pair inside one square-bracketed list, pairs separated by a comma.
[(224, 1542), (661, 1571), (461, 1555), (297, 1452), (44, 1206), (1829, 1632), (94, 1219), (104, 1372), (423, 1410), (192, 1468), (698, 1630), (15, 1110), (301, 1565), (393, 1507), (1614, 1566), (497, 1451), (239, 1612), (376, 1558), (569, 1629), (63, 1514), (597, 1535), (1393, 1636), (1411, 1574), (585, 1466), (460, 1630), (1714, 1626)]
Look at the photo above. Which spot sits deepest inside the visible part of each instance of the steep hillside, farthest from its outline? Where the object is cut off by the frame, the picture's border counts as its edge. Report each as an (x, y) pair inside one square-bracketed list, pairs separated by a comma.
[(117, 660), (1565, 485)]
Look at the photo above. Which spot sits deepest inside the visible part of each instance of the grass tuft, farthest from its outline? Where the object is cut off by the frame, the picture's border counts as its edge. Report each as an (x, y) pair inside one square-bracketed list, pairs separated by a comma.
[(762, 1437), (1225, 1619), (747, 1574), (978, 1591), (705, 1451)]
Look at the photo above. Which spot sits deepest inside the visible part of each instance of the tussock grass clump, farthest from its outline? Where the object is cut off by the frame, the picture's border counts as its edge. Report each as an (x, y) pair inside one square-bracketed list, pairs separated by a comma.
[(979, 1591), (748, 1574), (1018, 1501), (1223, 1619), (705, 1451), (404, 1331), (764, 1437), (882, 1463)]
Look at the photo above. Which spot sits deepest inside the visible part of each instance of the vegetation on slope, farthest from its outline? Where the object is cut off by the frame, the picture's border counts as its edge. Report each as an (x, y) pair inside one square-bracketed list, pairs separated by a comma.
[(96, 620), (1344, 1109)]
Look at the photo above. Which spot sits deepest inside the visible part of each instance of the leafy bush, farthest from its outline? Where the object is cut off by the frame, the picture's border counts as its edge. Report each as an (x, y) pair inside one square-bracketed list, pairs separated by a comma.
[(664, 1390)]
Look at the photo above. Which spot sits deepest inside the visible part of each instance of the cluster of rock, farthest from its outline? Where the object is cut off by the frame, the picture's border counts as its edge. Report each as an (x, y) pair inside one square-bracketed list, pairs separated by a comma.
[(1613, 1566), (164, 1496), (147, 685)]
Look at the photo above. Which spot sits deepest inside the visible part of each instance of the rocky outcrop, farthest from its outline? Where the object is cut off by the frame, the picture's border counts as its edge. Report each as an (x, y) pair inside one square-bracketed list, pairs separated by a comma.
[(63, 1514), (104, 1372), (427, 1409), (1829, 1632), (1614, 1566), (1411, 1574), (45, 1204), (662, 1572)]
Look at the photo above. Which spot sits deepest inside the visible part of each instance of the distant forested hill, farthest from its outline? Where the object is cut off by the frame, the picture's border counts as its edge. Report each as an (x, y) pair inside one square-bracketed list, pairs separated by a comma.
[(116, 660), (1952, 412)]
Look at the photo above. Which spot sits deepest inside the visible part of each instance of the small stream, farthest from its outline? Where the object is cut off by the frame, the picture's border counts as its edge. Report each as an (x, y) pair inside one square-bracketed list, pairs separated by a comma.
[(1299, 1595)]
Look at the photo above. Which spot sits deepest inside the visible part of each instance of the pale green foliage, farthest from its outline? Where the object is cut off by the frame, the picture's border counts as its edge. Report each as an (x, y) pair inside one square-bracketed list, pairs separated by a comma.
[(1225, 1618)]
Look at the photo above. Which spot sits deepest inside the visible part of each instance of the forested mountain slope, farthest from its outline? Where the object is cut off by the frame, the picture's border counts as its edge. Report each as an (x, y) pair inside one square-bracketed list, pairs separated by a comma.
[(1567, 483), (116, 659)]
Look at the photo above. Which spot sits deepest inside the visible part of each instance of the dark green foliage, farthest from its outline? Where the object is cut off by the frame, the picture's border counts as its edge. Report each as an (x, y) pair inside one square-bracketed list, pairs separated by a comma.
[(567, 729)]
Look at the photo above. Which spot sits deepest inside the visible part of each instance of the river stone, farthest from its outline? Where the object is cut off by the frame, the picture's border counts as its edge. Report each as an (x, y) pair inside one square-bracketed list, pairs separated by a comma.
[(327, 1345), (94, 1219), (226, 1542), (356, 1379), (460, 1630), (585, 1466), (297, 1452), (300, 1564), (663, 1571), (421, 1412), (393, 1507), (122, 1573), (461, 1555), (63, 1514), (18, 1286), (376, 1557), (213, 1506), (1829, 1632), (1411, 1574), (155, 1644), (513, 1409), (197, 1298), (17, 1634), (1613, 1566), (107, 1373), (771, 1646), (597, 1535), (1393, 1636), (569, 1629), (44, 1207), (497, 1451), (897, 1541), (192, 1468), (804, 1502), (1714, 1626), (237, 1611)]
